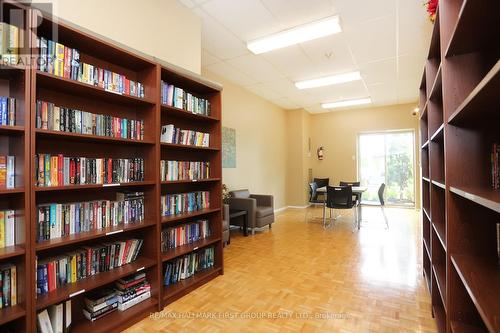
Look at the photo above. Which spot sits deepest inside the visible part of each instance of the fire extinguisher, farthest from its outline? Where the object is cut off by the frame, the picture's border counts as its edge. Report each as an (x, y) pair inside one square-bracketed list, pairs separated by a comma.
[(320, 153)]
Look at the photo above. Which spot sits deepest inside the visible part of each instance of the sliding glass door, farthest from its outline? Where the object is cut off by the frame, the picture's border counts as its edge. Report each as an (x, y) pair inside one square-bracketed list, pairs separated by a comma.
[(388, 157)]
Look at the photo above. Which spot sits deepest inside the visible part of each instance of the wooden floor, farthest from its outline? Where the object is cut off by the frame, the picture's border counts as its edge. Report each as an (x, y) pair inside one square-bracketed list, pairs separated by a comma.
[(302, 278)]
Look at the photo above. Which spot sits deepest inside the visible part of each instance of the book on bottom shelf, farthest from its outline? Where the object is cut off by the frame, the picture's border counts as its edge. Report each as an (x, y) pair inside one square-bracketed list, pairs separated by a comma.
[(8, 285), (55, 319)]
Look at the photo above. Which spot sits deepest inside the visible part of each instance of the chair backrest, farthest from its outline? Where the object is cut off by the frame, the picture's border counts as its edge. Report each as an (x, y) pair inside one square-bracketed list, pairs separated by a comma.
[(322, 181), (381, 190), (349, 183), (312, 191), (339, 197), (240, 194)]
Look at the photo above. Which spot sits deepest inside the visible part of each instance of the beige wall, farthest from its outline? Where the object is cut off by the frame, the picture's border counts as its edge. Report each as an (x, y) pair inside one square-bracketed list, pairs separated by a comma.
[(260, 142), (162, 28), (337, 133)]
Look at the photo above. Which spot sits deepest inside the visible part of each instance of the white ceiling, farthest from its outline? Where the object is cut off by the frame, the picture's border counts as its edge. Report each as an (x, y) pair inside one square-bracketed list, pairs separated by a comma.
[(386, 40)]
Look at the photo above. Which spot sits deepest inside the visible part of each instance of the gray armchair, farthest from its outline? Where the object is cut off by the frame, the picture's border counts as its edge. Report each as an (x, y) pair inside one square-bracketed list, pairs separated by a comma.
[(260, 208), (225, 225)]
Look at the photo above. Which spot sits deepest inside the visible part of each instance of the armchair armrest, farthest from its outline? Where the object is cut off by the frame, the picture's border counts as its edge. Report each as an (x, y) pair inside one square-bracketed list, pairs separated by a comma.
[(225, 212), (248, 204), (263, 199)]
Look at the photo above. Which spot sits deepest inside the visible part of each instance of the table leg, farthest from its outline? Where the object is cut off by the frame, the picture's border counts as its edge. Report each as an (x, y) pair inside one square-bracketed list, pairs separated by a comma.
[(324, 214), (245, 225), (360, 214)]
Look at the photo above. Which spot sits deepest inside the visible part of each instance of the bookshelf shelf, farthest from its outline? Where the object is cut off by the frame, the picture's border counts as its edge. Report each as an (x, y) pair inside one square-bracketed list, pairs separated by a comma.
[(425, 145), (439, 185), (440, 274), (423, 113), (476, 105), (11, 313), (91, 186), (440, 232), (93, 282), (476, 18), (425, 179), (188, 181), (90, 235), (11, 251), (11, 190), (438, 135), (174, 218), (436, 89), (481, 278), (57, 83), (58, 135), (11, 130), (440, 316), (173, 291), (488, 198), (187, 147), (426, 247), (426, 214), (458, 327), (185, 249), (118, 319), (170, 110)]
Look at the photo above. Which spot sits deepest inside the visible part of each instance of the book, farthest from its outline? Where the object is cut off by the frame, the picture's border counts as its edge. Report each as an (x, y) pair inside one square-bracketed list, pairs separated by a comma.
[(186, 266), (13, 45), (90, 316), (184, 170), (179, 98), (495, 166), (56, 317), (67, 316), (11, 172), (184, 234), (9, 229), (43, 322), (3, 171), (180, 203), (134, 301), (171, 134), (95, 299)]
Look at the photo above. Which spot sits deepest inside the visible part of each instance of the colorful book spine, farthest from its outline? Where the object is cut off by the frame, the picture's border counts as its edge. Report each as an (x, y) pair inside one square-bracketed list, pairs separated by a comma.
[(171, 134), (184, 234), (179, 203), (188, 265), (184, 170)]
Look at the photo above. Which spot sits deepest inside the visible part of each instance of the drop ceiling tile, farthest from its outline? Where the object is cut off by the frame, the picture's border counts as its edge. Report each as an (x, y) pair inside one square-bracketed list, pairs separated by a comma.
[(208, 59), (232, 74), (218, 40), (379, 71), (374, 40), (256, 67), (407, 90), (292, 62), (355, 12), (411, 66), (350, 90), (283, 87), (383, 93), (291, 13), (285, 103), (247, 19), (265, 92), (415, 28)]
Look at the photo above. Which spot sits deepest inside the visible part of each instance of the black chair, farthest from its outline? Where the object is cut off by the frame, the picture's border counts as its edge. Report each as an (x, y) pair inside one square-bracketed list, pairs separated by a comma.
[(322, 182), (356, 197), (315, 199), (340, 197), (381, 191)]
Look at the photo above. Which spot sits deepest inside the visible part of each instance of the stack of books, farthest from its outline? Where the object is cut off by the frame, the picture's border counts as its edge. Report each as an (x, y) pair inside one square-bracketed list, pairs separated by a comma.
[(7, 110), (56, 318), (60, 60), (186, 266), (57, 118), (179, 98), (7, 228), (55, 272), (171, 134), (58, 170), (184, 234), (9, 43), (7, 171), (179, 203), (59, 220), (184, 170), (99, 303), (495, 166), (132, 290), (8, 285)]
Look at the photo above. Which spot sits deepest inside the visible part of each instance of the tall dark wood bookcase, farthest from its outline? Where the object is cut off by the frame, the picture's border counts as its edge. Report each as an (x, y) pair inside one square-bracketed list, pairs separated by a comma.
[(15, 140), (459, 123), (24, 140)]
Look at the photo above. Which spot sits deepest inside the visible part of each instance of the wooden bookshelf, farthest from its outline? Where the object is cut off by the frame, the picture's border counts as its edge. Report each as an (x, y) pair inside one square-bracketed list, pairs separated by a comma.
[(459, 118), (177, 152), (14, 141)]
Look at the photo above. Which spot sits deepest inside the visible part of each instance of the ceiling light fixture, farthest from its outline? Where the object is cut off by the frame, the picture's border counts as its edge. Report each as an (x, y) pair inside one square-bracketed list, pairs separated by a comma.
[(299, 34), (328, 80), (349, 102)]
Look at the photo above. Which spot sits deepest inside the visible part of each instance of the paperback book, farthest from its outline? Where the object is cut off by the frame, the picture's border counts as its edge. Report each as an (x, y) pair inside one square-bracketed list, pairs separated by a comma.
[(184, 234), (188, 265), (184, 170), (179, 203), (171, 134), (180, 98)]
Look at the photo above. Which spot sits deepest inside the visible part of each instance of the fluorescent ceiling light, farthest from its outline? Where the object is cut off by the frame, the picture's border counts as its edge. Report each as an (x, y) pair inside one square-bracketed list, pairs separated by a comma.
[(299, 34), (328, 80), (349, 102)]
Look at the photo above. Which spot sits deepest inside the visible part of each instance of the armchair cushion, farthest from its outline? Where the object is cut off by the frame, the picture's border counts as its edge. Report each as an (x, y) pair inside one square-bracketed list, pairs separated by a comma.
[(263, 211), (248, 204), (240, 194), (263, 200)]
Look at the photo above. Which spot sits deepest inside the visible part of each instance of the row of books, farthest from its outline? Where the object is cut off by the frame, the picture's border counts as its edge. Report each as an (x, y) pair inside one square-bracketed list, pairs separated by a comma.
[(179, 98), (9, 43), (188, 265), (60, 60), (495, 166), (7, 171), (57, 118), (56, 318), (127, 292), (7, 111), (8, 285), (184, 170), (59, 220), (171, 134), (54, 272), (184, 234), (179, 203), (7, 228), (58, 170)]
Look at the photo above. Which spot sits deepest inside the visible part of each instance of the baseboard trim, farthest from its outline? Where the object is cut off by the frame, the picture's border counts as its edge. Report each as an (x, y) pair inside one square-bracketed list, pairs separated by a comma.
[(281, 209), (299, 207)]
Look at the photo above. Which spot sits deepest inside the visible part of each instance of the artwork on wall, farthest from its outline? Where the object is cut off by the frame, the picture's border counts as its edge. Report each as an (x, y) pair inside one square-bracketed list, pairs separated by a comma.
[(228, 147)]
